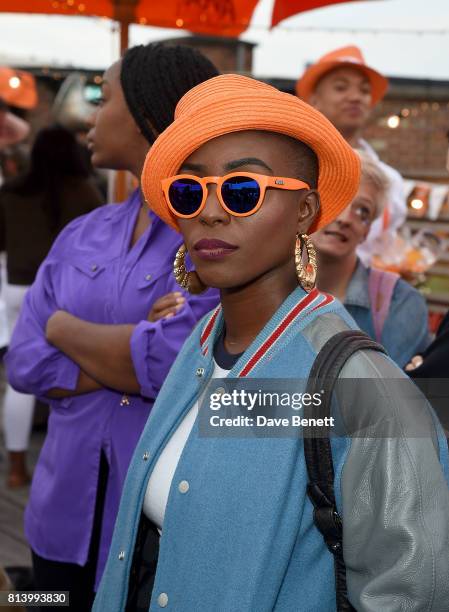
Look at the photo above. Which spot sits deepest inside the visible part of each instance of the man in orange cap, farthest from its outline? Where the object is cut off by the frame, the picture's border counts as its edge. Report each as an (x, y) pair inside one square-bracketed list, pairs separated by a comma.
[(345, 89)]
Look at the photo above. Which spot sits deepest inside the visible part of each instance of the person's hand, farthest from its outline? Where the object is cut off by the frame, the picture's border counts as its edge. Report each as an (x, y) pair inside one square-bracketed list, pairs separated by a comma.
[(166, 306), (416, 361)]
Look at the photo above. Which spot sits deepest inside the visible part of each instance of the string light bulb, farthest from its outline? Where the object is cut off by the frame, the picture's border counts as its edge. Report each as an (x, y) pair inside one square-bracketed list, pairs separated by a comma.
[(393, 121), (14, 82), (416, 204)]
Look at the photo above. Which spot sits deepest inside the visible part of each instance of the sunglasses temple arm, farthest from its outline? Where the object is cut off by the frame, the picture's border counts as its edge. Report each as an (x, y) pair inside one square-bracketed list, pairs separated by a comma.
[(288, 184)]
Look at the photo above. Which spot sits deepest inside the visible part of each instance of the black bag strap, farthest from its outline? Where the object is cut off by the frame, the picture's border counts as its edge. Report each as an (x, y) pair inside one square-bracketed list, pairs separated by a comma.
[(317, 448)]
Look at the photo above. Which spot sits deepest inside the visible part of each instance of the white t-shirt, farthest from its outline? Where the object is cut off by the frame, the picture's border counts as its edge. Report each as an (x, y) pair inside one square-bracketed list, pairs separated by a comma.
[(158, 487)]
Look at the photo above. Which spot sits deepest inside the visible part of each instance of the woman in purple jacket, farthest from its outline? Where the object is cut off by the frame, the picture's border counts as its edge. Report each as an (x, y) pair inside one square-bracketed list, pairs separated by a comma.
[(85, 338)]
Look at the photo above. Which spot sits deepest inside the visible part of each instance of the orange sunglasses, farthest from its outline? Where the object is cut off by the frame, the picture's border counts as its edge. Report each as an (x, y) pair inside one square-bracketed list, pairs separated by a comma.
[(240, 193)]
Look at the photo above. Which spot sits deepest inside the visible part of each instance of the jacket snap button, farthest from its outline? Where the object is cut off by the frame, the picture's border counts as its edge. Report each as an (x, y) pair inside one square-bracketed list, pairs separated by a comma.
[(183, 486), (146, 456), (94, 267), (121, 555), (200, 372), (162, 600), (148, 277)]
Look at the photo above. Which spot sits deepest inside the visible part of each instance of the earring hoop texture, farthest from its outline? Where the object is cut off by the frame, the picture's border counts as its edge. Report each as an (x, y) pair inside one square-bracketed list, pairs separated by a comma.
[(306, 274), (190, 281)]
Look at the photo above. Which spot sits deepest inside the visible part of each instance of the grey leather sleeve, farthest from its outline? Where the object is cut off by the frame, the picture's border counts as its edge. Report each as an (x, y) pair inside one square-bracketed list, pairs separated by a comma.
[(395, 503), (395, 499)]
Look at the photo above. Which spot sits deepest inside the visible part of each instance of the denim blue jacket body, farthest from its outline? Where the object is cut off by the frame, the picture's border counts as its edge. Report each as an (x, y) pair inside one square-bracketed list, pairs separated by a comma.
[(406, 331), (241, 538)]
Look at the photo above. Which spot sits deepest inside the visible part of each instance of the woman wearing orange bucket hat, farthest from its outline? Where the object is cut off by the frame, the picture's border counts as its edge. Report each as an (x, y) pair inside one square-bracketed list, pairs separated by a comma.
[(219, 504)]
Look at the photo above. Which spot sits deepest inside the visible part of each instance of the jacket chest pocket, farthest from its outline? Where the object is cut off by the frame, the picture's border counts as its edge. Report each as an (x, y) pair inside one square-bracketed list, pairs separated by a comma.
[(151, 278), (146, 280), (89, 287), (89, 269), (142, 290)]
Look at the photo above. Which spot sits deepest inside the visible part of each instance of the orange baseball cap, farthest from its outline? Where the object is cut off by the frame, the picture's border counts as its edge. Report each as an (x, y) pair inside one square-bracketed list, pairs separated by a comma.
[(345, 56), (234, 103), (17, 88)]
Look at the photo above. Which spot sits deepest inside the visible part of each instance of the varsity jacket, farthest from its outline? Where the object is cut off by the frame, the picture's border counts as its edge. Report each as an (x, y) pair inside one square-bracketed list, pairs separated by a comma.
[(238, 532)]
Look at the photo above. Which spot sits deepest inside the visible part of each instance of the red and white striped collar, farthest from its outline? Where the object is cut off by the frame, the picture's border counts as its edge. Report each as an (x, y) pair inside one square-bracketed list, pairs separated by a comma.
[(298, 310), (207, 330)]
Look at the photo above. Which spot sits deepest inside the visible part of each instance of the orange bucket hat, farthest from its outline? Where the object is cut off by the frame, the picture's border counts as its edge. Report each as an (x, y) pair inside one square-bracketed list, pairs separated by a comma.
[(345, 56), (17, 88), (233, 103)]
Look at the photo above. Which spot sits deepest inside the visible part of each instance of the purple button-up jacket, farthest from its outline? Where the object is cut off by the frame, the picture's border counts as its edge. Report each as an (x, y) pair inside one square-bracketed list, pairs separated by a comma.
[(91, 273)]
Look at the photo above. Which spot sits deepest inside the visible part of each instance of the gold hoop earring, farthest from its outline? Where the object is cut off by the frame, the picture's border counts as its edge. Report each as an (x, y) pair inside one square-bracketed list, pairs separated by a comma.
[(306, 273), (190, 281)]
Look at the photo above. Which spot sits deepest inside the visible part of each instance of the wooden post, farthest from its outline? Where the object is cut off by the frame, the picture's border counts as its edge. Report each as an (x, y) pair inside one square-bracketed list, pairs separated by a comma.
[(124, 36), (124, 13)]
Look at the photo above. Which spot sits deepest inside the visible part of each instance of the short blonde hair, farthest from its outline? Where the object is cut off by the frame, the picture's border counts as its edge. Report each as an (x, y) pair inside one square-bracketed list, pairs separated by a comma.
[(372, 173)]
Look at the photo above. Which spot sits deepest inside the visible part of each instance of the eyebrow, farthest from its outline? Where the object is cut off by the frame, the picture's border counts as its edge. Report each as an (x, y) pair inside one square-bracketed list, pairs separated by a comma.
[(364, 202), (192, 167), (247, 161), (232, 165)]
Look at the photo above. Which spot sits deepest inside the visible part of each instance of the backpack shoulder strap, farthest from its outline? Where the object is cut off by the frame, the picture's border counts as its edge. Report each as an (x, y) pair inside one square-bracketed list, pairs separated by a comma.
[(381, 284), (317, 448)]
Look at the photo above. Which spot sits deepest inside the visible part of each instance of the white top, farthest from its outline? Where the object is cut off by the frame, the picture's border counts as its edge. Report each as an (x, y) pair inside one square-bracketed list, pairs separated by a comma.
[(397, 207), (158, 487)]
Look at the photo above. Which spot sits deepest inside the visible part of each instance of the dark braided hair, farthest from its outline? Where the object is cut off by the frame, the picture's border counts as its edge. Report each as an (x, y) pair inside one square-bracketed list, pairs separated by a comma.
[(154, 78)]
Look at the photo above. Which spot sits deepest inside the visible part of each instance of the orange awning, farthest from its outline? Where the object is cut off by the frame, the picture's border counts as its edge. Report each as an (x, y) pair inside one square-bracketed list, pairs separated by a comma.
[(213, 17), (286, 8), (100, 8)]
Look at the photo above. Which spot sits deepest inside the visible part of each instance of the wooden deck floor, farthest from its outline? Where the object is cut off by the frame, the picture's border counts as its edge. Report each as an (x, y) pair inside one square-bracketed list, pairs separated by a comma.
[(14, 549)]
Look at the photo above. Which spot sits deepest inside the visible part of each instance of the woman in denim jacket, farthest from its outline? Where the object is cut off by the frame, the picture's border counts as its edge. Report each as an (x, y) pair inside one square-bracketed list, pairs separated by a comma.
[(383, 305), (241, 173)]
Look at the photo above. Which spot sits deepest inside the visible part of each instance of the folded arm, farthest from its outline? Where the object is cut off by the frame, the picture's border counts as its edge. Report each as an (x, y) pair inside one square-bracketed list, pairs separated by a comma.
[(85, 384), (102, 351), (33, 365), (128, 358)]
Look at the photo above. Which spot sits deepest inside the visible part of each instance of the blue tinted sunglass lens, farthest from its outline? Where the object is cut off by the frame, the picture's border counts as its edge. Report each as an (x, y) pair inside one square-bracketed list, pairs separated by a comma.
[(240, 194), (185, 196)]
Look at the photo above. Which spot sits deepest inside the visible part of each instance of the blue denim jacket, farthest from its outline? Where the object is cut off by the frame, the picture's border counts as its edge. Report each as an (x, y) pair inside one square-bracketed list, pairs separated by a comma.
[(406, 331), (240, 537)]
